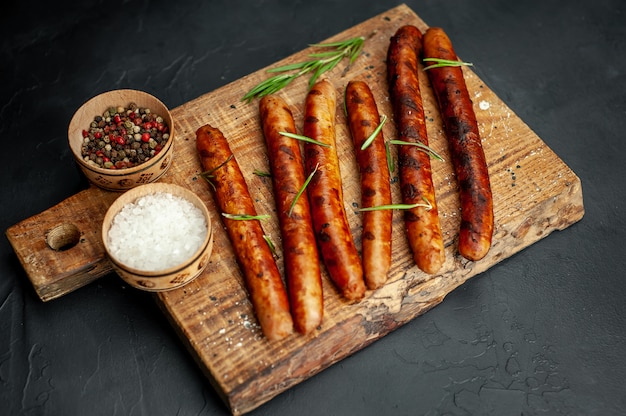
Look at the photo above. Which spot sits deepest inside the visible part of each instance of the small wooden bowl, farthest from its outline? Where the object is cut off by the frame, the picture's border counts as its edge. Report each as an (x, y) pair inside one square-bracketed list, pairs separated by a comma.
[(172, 277), (120, 179)]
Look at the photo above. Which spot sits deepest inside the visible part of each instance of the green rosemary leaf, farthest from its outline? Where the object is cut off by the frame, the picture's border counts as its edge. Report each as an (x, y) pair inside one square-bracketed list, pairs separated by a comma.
[(438, 63), (269, 86), (289, 67), (338, 44), (356, 52), (270, 243), (372, 136), (299, 194), (325, 67), (262, 173), (314, 77), (324, 61), (426, 205), (421, 146), (244, 217), (208, 175), (208, 178), (324, 54), (390, 165), (303, 138)]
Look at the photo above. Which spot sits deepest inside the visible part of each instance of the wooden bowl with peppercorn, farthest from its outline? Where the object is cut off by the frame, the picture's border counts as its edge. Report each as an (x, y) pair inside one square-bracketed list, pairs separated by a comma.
[(158, 236), (122, 138)]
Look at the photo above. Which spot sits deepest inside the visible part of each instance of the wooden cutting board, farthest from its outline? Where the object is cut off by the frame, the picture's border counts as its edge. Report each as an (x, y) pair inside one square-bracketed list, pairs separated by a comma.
[(535, 193)]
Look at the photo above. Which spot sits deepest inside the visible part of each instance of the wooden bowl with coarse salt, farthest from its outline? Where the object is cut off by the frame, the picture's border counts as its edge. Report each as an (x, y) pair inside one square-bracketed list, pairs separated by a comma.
[(158, 236), (122, 138)]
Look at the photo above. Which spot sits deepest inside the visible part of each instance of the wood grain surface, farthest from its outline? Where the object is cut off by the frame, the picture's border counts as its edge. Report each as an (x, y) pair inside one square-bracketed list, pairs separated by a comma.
[(535, 193)]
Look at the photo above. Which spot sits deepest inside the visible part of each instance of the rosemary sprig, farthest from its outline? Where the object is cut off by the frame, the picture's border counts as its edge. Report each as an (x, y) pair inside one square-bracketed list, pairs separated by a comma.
[(299, 194), (244, 217), (421, 146), (303, 138), (208, 175), (262, 174), (426, 205), (271, 245), (322, 62), (372, 136), (390, 165), (438, 63)]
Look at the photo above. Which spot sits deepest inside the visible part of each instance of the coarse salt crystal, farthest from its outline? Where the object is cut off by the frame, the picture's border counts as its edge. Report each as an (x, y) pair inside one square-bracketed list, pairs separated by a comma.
[(156, 232)]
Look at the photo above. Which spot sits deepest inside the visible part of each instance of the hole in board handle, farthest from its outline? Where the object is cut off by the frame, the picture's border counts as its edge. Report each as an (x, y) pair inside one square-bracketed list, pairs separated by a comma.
[(63, 237)]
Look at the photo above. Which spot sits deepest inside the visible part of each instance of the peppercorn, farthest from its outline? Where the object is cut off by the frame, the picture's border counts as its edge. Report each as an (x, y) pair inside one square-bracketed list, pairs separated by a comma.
[(124, 137)]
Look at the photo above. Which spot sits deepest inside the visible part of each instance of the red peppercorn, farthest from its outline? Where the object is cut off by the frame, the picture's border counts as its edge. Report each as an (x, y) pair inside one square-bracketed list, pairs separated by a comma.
[(117, 119), (98, 135), (85, 133), (120, 140), (145, 137)]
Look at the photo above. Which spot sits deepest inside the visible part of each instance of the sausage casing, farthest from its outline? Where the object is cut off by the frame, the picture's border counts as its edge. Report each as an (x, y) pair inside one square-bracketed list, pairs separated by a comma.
[(468, 157), (416, 184), (261, 274), (363, 119), (302, 266), (325, 193)]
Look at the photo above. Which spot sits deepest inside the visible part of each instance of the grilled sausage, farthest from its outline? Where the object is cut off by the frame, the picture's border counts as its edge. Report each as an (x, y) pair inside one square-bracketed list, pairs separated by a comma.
[(302, 267), (262, 277), (468, 157), (416, 184), (325, 193), (363, 119)]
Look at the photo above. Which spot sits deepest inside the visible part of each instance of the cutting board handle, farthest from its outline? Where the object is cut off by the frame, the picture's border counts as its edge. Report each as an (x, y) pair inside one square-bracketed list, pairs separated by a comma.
[(61, 248)]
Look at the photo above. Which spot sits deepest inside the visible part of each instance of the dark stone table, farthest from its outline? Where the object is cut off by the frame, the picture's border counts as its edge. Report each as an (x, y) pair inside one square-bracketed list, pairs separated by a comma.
[(543, 332)]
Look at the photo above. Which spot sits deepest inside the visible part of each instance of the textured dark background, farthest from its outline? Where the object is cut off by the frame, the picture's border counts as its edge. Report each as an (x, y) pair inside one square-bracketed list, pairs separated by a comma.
[(540, 333)]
